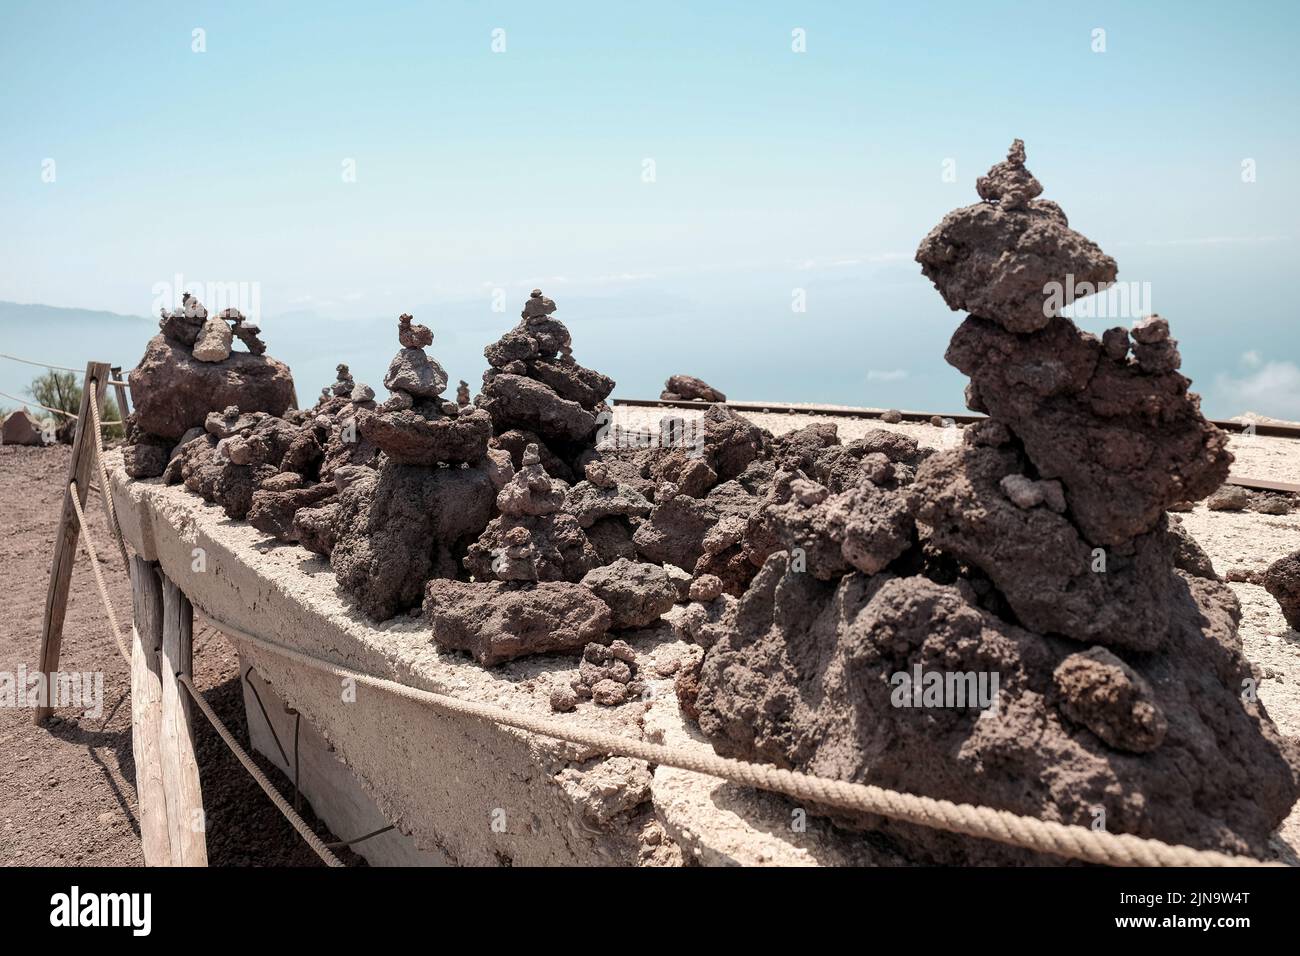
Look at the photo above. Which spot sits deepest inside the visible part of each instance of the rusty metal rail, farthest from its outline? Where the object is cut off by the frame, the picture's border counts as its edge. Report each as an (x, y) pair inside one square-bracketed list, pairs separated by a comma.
[(1270, 429), (966, 418)]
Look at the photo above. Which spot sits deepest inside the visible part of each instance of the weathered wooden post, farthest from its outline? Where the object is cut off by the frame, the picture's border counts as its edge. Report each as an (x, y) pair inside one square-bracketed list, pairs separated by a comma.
[(65, 538), (146, 710), (123, 405), (185, 818)]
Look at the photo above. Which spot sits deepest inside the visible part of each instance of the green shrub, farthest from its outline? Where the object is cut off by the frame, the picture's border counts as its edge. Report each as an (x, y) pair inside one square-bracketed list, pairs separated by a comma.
[(62, 390)]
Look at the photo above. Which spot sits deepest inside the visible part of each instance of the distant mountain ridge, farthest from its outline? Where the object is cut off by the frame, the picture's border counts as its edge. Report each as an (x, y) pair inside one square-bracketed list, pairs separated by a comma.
[(11, 311)]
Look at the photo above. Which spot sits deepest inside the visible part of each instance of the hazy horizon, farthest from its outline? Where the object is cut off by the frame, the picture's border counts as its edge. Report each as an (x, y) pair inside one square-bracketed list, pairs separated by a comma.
[(681, 179)]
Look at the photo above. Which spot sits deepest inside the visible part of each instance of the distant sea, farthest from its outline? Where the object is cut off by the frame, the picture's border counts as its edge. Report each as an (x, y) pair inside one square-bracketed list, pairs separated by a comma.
[(871, 336)]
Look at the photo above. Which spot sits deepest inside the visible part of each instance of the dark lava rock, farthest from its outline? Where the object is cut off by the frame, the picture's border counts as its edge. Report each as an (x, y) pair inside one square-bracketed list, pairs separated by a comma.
[(1012, 259), (1282, 580), (172, 392), (636, 593), (406, 526), (497, 622), (515, 401), (688, 388), (273, 511), (812, 678), (1125, 444), (1054, 580), (423, 435)]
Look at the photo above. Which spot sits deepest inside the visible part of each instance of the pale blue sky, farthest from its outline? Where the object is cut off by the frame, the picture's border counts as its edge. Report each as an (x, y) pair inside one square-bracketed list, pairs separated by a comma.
[(774, 170)]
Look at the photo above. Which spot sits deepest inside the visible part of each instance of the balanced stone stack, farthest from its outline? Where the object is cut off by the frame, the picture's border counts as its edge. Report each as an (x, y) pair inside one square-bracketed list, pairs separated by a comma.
[(190, 370), (537, 394), (1035, 562), (414, 514)]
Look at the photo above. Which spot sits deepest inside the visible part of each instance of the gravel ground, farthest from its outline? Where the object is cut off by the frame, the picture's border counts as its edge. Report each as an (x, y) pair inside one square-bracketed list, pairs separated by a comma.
[(67, 792)]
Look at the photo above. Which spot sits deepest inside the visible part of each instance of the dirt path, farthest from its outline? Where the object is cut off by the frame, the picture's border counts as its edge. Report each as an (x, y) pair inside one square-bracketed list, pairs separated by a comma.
[(67, 791)]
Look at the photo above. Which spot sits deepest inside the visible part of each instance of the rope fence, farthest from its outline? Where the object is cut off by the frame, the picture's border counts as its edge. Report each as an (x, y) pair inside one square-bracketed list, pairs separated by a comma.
[(299, 824), (60, 368), (1065, 840)]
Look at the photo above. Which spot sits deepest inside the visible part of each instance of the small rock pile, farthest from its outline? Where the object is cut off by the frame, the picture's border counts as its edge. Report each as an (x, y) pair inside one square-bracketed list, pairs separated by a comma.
[(416, 481), (536, 394), (188, 370)]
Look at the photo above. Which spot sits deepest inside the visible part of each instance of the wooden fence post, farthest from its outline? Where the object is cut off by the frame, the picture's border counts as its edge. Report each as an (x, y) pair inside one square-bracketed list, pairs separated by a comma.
[(123, 405), (146, 711), (186, 822), (65, 538)]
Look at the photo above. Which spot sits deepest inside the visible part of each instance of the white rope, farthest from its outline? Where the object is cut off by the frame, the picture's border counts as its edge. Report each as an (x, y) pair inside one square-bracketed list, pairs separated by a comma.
[(1045, 836), (61, 368)]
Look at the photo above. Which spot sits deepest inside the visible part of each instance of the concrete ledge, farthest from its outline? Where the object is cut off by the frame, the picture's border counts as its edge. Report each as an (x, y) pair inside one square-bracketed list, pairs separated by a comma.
[(463, 791)]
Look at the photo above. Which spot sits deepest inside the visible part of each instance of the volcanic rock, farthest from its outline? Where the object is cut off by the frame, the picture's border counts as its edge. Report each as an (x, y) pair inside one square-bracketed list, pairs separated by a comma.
[(408, 525), (424, 435), (172, 392), (20, 428), (245, 329), (413, 336), (183, 325), (1054, 579), (1101, 692), (1282, 580), (608, 674), (515, 401), (272, 510), (497, 622), (537, 306), (344, 383), (142, 460), (817, 676), (637, 594), (1012, 258), (674, 531), (1124, 443), (413, 372), (1229, 498), (688, 388), (590, 503)]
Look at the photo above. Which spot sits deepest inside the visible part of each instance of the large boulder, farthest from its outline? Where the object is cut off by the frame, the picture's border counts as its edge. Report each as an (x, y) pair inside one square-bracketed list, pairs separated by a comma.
[(20, 428), (173, 392), (406, 525), (834, 679)]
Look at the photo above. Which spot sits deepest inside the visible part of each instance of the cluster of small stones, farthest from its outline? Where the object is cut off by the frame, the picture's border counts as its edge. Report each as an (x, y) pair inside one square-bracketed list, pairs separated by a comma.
[(1038, 552)]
